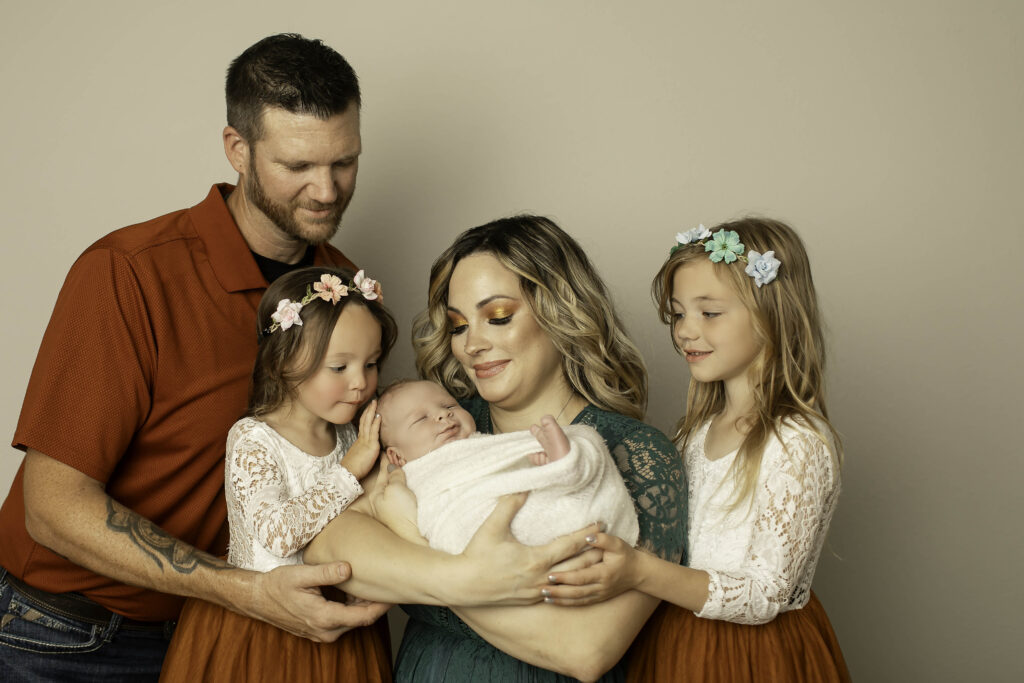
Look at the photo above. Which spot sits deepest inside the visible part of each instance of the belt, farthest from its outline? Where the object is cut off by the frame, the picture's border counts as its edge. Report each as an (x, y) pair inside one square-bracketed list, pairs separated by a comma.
[(77, 606)]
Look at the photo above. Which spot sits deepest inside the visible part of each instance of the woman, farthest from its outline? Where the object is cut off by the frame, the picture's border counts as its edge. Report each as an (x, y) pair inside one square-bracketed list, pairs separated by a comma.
[(520, 325)]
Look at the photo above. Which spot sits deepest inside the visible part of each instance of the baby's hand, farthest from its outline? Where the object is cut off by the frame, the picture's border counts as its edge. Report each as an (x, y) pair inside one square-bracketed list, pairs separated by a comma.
[(360, 457)]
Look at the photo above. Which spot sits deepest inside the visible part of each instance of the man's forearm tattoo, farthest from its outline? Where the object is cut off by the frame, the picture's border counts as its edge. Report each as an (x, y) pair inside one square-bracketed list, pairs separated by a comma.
[(160, 546)]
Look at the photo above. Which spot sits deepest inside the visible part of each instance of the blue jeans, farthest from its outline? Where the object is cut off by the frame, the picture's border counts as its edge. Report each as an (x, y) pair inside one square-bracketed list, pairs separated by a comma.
[(37, 644)]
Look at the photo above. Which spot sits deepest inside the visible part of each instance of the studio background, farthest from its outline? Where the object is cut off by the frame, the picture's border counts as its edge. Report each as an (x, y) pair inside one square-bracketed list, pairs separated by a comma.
[(888, 133)]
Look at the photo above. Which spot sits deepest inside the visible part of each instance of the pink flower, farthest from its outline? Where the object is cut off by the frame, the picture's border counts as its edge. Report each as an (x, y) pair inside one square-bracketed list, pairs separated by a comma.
[(287, 313), (330, 288), (367, 287)]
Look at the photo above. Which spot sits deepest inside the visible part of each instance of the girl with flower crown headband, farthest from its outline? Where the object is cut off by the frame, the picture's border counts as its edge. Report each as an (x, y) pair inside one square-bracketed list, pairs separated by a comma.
[(762, 463), (293, 463)]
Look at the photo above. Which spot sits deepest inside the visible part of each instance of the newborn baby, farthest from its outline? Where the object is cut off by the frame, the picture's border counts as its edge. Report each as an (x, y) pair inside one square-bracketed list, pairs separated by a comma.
[(458, 475)]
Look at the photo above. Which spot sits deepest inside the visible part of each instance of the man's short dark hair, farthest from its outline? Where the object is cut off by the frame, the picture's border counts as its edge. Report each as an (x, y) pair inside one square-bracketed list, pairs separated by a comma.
[(297, 74)]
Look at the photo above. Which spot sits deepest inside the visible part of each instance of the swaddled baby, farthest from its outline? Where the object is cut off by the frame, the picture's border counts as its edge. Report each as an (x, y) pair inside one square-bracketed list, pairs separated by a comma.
[(458, 475)]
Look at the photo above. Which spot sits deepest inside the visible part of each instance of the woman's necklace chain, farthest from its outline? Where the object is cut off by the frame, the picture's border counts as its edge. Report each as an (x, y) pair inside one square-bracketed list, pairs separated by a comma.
[(496, 430)]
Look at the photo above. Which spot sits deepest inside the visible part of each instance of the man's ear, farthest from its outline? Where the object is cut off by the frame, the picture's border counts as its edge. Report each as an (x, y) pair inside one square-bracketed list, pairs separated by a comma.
[(394, 457), (236, 149)]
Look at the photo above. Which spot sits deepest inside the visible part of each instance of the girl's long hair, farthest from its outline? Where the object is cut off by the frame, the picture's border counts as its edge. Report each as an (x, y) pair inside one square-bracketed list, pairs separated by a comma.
[(788, 375), (568, 299), (287, 358)]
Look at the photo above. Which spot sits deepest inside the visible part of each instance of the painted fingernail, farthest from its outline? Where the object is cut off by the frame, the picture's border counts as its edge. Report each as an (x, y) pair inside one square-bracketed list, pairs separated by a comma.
[(551, 578), (591, 539), (549, 600), (545, 592)]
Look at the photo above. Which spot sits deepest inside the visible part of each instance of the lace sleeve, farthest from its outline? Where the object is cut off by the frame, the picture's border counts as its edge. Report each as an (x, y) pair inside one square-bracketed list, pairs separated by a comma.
[(281, 523), (653, 472), (792, 507)]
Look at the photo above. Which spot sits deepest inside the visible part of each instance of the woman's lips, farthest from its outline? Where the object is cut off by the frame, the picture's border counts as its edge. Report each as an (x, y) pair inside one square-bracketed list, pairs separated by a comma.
[(485, 370)]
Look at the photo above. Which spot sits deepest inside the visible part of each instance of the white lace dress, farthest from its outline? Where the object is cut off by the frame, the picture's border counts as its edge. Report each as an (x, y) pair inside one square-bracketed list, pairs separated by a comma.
[(279, 497), (761, 557)]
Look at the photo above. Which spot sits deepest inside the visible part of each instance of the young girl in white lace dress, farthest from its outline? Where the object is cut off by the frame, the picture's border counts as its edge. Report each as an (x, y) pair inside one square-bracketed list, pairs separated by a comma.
[(762, 461), (293, 463)]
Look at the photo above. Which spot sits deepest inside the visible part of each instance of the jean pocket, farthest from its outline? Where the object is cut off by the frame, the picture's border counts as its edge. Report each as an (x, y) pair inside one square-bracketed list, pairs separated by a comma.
[(25, 626)]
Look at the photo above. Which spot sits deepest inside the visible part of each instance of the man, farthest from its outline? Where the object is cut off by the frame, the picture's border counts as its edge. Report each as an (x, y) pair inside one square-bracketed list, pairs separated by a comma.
[(118, 506)]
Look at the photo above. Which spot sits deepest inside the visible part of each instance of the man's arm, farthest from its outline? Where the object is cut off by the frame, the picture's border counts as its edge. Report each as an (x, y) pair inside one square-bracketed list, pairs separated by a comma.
[(70, 513)]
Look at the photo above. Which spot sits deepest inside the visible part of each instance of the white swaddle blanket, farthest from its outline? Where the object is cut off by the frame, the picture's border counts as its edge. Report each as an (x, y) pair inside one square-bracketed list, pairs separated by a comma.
[(458, 485)]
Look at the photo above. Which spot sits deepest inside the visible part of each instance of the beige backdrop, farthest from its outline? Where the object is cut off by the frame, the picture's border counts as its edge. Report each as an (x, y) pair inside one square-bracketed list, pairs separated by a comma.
[(888, 133)]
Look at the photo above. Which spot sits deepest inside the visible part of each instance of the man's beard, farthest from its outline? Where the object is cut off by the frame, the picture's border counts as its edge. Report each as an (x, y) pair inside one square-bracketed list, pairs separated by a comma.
[(283, 215)]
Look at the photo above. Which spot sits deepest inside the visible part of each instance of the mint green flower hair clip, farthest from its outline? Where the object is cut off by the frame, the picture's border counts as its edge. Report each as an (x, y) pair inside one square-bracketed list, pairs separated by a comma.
[(726, 246)]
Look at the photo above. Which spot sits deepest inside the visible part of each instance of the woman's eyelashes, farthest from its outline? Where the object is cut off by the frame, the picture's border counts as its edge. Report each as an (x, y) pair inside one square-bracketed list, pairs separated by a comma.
[(499, 315), (457, 324)]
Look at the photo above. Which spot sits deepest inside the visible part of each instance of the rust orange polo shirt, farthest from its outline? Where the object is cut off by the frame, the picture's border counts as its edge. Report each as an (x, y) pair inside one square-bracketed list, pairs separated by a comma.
[(142, 370)]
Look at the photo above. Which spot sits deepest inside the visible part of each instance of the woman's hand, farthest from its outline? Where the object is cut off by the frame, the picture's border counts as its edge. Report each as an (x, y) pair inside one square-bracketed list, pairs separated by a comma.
[(360, 457), (394, 505), (615, 573), (498, 569)]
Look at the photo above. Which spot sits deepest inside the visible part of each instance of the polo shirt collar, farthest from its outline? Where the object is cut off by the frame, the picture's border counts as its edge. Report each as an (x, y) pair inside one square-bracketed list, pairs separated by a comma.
[(229, 253)]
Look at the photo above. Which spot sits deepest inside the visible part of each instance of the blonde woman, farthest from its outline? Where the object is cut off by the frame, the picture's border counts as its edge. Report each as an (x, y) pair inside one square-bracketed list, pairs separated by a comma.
[(519, 325), (763, 466)]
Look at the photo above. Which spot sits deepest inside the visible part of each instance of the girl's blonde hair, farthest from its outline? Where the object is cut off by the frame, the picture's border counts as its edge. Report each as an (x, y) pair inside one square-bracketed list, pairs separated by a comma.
[(788, 375), (287, 358), (566, 296)]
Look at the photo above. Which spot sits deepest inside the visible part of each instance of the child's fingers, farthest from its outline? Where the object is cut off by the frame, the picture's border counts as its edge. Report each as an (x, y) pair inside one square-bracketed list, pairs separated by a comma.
[(588, 557), (367, 418), (574, 596)]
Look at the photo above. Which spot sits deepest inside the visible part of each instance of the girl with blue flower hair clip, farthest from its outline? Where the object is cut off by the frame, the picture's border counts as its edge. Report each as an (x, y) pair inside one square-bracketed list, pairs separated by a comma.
[(762, 460)]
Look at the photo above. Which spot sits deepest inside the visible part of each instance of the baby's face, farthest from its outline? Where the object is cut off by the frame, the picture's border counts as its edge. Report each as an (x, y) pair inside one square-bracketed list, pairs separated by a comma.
[(422, 416)]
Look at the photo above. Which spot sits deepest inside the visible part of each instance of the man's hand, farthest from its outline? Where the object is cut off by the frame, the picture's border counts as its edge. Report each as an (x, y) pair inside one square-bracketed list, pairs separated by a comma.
[(289, 597), (71, 513)]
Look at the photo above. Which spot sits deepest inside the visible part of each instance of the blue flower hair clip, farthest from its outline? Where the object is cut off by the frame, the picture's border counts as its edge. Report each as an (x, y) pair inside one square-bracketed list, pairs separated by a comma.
[(726, 246)]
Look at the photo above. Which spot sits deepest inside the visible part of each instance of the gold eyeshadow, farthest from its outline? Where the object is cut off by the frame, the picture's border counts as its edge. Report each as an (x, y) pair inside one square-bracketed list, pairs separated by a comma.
[(502, 310), (456, 320)]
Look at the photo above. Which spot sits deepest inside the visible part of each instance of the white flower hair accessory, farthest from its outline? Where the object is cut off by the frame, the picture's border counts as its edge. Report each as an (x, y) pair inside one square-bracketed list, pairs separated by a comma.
[(691, 236), (726, 246), (330, 288), (762, 267)]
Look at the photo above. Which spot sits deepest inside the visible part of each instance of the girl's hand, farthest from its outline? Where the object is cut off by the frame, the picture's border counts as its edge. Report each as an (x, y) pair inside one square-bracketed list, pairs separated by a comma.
[(616, 573), (360, 457)]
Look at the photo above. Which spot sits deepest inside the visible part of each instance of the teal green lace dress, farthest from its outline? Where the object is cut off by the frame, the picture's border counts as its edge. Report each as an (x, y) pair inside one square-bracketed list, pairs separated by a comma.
[(438, 646)]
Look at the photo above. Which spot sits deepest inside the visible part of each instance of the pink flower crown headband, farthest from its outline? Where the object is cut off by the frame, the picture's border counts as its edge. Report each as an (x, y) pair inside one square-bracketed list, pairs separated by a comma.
[(726, 246), (329, 288)]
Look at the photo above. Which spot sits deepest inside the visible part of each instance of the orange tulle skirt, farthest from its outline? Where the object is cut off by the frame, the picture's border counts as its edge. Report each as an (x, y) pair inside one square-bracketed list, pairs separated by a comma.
[(215, 644), (796, 647)]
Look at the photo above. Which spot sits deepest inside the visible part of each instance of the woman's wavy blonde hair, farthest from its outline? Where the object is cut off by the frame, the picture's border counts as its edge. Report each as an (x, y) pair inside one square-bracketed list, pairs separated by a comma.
[(789, 372), (568, 299)]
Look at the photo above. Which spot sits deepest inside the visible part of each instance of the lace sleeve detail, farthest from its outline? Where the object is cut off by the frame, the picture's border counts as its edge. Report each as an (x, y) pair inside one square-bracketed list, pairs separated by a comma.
[(281, 523), (792, 508), (653, 472)]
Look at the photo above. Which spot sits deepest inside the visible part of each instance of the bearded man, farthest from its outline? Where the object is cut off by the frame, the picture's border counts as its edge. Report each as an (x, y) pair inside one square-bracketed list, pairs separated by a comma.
[(117, 510)]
